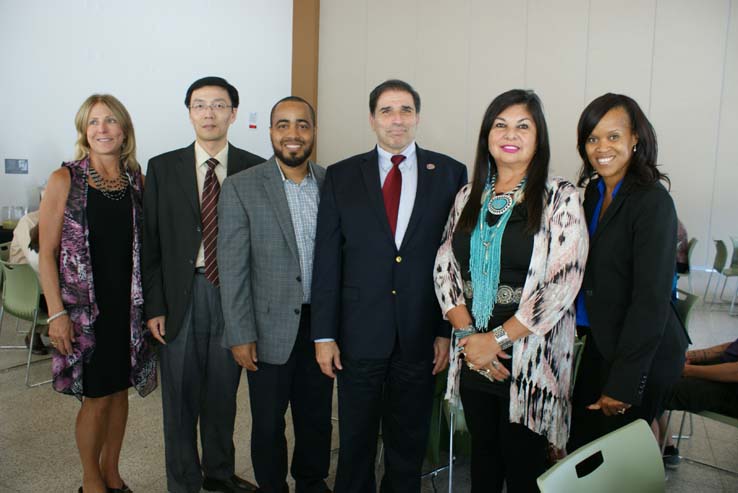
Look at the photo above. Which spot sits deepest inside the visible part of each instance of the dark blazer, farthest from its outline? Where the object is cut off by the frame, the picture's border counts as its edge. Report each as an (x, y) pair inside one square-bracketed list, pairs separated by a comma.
[(172, 231), (627, 287), (366, 293)]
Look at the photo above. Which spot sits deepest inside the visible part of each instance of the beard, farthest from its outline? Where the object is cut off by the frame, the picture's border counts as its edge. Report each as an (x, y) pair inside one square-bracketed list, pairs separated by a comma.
[(293, 160)]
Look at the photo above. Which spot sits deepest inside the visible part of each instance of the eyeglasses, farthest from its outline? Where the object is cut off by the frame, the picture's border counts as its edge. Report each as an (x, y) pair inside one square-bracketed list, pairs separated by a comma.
[(202, 107)]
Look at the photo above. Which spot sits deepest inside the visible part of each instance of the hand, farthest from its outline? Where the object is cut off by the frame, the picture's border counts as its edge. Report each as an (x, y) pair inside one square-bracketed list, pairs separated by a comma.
[(156, 327), (328, 356), (245, 355), (482, 353), (440, 354), (688, 370), (609, 406), (61, 334)]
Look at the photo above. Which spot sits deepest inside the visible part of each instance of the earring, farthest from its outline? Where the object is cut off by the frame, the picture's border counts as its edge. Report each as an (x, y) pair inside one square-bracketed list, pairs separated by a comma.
[(635, 148)]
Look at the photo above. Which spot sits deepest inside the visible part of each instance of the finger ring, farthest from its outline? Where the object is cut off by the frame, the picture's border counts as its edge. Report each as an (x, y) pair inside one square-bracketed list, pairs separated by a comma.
[(471, 365), (621, 411), (495, 363), (53, 343)]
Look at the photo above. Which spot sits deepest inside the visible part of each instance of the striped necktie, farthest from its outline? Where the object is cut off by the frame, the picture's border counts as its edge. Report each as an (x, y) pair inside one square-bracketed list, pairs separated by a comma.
[(209, 214)]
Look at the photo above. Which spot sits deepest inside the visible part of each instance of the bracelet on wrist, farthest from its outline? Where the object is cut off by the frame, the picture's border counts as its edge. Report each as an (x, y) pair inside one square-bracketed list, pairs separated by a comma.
[(501, 337), (56, 315)]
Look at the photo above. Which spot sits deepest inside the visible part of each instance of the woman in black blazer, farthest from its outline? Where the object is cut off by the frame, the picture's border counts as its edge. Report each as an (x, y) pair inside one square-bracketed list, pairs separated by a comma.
[(635, 342)]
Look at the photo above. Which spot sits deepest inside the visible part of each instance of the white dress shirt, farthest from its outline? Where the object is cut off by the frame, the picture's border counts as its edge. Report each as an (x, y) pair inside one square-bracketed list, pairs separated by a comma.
[(201, 169), (409, 171)]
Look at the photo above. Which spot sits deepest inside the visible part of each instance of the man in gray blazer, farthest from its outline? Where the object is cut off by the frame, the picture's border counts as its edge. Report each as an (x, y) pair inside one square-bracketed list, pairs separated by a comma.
[(267, 220)]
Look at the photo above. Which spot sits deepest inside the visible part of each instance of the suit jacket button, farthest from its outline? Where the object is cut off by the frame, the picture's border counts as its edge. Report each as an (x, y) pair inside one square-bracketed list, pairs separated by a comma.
[(299, 278), (297, 311), (198, 229), (398, 259), (394, 292), (588, 292)]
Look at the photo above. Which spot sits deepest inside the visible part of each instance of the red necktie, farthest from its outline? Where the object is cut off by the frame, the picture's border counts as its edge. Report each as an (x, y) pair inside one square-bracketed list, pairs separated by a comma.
[(391, 191), (209, 214)]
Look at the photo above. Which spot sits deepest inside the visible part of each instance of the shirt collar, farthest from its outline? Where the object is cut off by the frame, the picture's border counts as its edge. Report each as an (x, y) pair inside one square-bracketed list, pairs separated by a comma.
[(601, 188), (201, 156), (284, 178), (385, 158)]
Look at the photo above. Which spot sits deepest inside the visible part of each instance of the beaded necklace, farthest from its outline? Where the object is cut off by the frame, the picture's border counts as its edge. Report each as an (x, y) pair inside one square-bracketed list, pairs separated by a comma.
[(486, 244), (113, 189)]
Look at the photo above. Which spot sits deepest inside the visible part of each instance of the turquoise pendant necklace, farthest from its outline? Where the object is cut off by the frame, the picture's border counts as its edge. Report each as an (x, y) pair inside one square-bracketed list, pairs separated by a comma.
[(486, 244)]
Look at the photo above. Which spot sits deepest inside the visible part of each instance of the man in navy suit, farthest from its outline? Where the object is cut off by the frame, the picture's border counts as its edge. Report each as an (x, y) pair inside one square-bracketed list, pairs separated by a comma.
[(375, 317)]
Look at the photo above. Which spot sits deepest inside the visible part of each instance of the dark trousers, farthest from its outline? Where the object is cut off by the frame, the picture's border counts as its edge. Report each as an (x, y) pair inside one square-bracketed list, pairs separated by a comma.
[(501, 451), (696, 395), (302, 385), (588, 425), (199, 381), (398, 393)]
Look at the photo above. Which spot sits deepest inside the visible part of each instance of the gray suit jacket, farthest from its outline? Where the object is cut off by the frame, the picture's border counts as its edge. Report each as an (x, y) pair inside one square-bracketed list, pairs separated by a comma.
[(260, 279)]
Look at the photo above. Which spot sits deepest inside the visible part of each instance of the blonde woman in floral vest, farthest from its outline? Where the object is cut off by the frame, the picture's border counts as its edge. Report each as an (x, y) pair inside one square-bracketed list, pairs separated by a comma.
[(90, 267)]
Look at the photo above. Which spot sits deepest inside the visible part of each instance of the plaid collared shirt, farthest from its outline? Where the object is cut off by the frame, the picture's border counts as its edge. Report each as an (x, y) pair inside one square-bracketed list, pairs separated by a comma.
[(303, 199)]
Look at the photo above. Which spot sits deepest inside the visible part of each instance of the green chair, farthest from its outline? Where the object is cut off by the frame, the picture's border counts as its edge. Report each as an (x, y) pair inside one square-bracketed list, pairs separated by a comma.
[(684, 304), (4, 252), (718, 265), (21, 293), (628, 459), (690, 250), (732, 271)]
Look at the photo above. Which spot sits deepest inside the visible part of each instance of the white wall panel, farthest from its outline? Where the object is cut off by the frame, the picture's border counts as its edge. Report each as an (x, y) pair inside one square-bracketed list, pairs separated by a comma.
[(442, 74), (724, 210), (685, 107), (620, 49), (55, 54), (342, 79), (677, 58), (555, 69)]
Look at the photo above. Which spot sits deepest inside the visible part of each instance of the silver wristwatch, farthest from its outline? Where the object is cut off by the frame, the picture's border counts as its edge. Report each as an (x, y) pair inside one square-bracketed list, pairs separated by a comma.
[(501, 337)]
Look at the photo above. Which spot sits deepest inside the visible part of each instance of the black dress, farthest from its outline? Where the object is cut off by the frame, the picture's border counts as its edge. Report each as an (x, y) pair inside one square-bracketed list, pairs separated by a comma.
[(110, 224)]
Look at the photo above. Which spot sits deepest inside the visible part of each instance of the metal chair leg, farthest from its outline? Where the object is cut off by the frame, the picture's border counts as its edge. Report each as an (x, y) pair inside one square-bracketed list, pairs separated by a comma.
[(707, 288), (30, 352), (2, 316)]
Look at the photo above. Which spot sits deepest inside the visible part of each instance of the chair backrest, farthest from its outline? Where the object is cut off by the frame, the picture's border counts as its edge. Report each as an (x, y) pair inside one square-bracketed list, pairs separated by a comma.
[(684, 303), (734, 258), (721, 255), (579, 343), (21, 290), (690, 249), (628, 459), (5, 251)]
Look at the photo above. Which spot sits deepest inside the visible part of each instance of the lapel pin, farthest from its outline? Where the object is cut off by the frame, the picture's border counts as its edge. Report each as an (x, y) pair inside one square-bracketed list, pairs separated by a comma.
[(430, 166)]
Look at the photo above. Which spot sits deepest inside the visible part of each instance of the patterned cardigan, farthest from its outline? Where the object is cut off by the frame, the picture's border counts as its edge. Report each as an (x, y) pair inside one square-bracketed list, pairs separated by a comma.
[(542, 362)]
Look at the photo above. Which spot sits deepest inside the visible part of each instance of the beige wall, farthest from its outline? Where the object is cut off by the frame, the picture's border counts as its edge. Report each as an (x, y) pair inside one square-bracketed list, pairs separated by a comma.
[(677, 58)]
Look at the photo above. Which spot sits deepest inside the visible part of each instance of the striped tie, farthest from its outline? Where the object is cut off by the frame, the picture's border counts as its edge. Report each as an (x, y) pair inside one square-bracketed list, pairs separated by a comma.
[(209, 213)]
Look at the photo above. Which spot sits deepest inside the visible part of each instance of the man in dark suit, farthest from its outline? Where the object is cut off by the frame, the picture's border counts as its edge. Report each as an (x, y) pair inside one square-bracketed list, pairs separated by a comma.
[(266, 236), (375, 315), (199, 378)]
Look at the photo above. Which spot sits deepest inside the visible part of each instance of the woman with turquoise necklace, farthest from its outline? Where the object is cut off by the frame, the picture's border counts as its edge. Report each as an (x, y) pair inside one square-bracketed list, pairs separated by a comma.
[(507, 273)]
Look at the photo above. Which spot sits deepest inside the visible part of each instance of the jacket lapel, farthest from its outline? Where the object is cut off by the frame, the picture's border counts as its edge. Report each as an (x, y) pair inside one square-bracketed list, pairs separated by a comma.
[(187, 177), (370, 173), (277, 197), (422, 194)]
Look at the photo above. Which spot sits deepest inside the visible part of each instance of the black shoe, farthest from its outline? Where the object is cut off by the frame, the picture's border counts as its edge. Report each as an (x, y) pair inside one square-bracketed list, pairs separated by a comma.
[(233, 484), (285, 489), (671, 457), (122, 489)]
